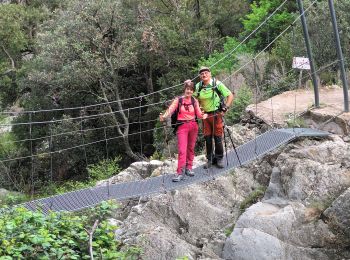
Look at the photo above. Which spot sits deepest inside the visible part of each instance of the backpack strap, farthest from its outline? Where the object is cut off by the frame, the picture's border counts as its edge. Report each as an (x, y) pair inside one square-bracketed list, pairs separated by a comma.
[(200, 87), (214, 87), (193, 101), (179, 105)]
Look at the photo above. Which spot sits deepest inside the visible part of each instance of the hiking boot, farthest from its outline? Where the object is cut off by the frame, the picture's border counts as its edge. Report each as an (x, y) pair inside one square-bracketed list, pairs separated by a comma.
[(189, 172), (208, 165), (177, 178), (220, 163)]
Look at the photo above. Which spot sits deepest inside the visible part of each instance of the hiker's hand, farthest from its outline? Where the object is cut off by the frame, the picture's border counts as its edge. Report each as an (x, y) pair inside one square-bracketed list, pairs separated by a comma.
[(205, 116), (161, 117)]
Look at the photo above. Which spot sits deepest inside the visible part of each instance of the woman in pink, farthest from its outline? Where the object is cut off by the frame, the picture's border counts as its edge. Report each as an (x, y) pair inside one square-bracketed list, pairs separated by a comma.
[(187, 130)]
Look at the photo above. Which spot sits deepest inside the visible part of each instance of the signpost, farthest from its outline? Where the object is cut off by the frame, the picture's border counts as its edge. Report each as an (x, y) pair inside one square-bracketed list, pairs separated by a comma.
[(301, 63)]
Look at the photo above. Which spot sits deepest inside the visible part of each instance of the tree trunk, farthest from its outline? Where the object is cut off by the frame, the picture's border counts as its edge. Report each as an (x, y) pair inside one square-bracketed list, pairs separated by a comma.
[(149, 80), (124, 134), (197, 9)]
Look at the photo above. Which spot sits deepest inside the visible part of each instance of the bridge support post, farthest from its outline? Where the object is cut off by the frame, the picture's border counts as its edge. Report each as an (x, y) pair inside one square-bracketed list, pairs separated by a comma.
[(309, 52), (340, 55)]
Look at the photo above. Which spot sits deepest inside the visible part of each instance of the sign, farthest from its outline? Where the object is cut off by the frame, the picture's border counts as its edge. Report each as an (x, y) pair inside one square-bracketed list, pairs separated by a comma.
[(301, 63)]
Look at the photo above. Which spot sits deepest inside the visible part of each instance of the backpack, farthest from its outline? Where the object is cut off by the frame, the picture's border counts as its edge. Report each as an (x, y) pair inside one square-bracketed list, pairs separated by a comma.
[(222, 105), (174, 123)]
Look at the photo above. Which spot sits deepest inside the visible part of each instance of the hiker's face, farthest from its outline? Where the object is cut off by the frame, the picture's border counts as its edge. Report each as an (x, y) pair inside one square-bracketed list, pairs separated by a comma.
[(188, 92), (205, 76)]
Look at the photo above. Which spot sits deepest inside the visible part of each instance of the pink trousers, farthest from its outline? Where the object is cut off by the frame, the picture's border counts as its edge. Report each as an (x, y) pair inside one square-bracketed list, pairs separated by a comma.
[(186, 141)]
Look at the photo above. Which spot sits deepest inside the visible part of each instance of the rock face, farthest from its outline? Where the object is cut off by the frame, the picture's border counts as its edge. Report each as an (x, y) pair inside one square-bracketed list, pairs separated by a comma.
[(189, 222), (304, 213)]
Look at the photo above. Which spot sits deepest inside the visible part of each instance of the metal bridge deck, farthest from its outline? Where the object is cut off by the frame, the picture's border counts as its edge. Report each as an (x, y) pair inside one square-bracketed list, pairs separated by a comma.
[(80, 199)]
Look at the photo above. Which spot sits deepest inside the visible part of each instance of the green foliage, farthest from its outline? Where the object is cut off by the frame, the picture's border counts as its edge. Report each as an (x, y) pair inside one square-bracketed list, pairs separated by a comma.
[(12, 198), (33, 235), (99, 171), (157, 156), (104, 169), (242, 100), (284, 83), (13, 38), (295, 121), (161, 136), (224, 64), (260, 10), (229, 230), (18, 25), (54, 188), (7, 145), (182, 258), (252, 198)]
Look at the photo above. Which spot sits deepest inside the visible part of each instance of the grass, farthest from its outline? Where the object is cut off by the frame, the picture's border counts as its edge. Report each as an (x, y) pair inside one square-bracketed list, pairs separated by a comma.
[(228, 231), (252, 198), (297, 122)]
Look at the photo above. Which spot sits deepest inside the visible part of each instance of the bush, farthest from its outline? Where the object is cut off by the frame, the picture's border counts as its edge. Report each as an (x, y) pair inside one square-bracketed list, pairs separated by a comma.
[(104, 169), (241, 101), (33, 235), (99, 171), (296, 122), (13, 198)]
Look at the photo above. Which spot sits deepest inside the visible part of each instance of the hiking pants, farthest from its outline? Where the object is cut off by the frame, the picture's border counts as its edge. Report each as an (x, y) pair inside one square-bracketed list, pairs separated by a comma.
[(213, 127), (186, 141)]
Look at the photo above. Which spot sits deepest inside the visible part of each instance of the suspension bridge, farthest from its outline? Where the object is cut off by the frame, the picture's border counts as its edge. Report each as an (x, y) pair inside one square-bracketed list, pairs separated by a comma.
[(89, 197), (244, 154)]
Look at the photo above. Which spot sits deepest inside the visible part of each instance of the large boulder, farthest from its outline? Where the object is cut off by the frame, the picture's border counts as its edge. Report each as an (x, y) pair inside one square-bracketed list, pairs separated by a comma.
[(312, 171), (297, 219), (338, 215), (267, 231), (188, 222)]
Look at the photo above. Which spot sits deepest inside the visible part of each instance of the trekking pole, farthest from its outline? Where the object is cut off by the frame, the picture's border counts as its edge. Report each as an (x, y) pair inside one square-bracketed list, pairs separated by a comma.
[(223, 128), (233, 145), (163, 166)]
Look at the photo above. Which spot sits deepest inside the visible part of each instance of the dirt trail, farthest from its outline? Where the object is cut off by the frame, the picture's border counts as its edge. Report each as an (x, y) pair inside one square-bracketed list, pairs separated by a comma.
[(280, 108)]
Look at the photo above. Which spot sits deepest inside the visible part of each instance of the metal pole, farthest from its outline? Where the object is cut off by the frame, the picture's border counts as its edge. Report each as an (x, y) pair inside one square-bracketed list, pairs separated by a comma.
[(340, 55), (51, 159), (309, 52), (31, 156)]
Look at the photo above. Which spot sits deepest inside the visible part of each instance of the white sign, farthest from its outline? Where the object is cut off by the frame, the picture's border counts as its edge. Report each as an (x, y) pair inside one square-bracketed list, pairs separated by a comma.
[(301, 63)]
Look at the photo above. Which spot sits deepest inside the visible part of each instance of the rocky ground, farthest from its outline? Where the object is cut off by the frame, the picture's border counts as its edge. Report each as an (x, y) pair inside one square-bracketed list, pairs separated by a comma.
[(293, 203), (284, 108)]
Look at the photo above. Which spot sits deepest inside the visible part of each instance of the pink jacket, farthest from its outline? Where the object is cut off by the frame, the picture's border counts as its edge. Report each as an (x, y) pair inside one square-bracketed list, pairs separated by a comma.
[(187, 111)]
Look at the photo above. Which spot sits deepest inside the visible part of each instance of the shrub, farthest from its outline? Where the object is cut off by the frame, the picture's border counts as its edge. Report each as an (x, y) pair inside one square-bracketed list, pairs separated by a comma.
[(296, 122), (242, 100), (99, 171), (33, 235), (104, 169)]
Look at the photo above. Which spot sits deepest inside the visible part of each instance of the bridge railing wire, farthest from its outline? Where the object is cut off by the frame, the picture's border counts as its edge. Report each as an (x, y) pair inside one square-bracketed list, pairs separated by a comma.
[(119, 137)]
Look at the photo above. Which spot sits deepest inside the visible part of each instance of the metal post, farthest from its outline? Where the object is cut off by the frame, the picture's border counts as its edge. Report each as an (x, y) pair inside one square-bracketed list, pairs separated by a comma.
[(309, 52), (83, 138), (340, 55), (31, 155), (51, 151), (106, 142)]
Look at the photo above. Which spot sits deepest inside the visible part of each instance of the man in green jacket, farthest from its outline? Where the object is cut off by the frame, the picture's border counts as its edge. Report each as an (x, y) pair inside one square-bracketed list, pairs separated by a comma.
[(208, 92)]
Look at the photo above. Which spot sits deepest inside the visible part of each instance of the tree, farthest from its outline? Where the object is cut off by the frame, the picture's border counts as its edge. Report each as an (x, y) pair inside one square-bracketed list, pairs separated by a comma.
[(81, 58), (260, 10), (12, 41)]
